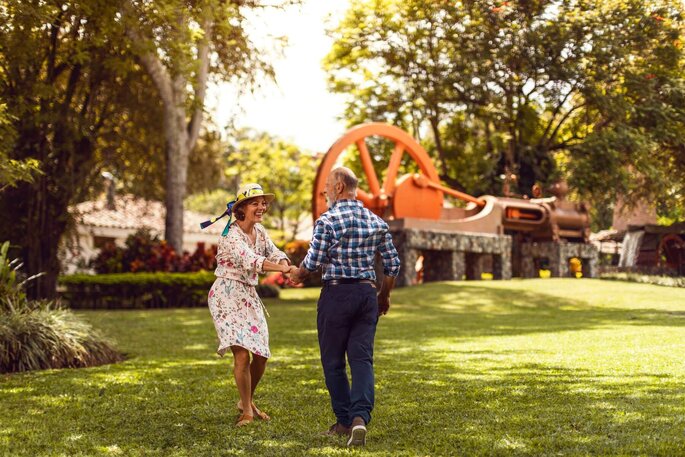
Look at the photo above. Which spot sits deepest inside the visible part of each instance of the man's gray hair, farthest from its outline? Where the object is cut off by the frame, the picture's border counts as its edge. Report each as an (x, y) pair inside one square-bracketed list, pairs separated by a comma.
[(347, 177)]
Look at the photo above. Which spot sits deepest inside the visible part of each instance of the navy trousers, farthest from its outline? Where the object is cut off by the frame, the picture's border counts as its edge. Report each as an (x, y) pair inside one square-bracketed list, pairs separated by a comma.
[(347, 315)]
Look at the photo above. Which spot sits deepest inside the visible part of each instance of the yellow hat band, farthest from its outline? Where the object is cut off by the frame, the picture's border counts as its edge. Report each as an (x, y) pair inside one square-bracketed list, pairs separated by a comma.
[(254, 192)]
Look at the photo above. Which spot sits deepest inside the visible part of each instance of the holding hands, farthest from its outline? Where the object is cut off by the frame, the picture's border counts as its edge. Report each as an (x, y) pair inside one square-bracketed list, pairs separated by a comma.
[(296, 276), (290, 272)]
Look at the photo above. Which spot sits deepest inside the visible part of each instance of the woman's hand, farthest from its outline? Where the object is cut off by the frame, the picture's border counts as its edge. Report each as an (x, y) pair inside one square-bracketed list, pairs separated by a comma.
[(293, 275)]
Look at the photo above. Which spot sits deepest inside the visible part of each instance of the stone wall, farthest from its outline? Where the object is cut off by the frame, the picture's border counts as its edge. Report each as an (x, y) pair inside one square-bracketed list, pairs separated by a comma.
[(450, 256), (558, 256)]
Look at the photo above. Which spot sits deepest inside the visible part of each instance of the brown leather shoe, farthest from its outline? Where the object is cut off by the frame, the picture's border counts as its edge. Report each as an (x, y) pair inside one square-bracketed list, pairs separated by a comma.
[(357, 432), (337, 429)]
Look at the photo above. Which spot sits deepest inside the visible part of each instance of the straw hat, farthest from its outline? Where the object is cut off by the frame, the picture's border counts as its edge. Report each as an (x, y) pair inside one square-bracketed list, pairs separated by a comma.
[(250, 191)]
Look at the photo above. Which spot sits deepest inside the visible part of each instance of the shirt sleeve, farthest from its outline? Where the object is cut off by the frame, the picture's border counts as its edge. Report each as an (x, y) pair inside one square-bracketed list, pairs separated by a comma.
[(317, 255), (391, 260), (242, 257)]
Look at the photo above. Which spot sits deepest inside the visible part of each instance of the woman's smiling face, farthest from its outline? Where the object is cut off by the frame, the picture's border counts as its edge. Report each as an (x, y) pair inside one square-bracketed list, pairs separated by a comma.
[(255, 209)]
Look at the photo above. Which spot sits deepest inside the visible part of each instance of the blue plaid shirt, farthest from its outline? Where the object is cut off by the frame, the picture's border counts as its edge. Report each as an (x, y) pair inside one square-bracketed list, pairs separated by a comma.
[(346, 239)]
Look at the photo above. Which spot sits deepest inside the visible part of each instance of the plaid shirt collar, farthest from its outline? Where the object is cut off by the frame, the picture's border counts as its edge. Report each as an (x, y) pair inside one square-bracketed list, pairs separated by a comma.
[(346, 202)]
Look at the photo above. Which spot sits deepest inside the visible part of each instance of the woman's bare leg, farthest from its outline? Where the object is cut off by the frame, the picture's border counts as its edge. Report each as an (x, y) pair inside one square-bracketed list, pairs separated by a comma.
[(257, 368), (241, 372)]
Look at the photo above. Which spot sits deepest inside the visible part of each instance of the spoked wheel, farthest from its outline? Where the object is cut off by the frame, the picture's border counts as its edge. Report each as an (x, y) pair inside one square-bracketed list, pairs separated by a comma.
[(396, 198), (671, 252)]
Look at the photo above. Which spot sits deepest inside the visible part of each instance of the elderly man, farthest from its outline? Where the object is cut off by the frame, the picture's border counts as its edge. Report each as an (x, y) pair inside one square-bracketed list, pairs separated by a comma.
[(345, 242)]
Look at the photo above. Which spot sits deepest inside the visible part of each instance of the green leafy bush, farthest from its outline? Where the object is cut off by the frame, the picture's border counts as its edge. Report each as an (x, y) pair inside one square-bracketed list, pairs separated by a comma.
[(41, 334), (143, 290), (47, 336)]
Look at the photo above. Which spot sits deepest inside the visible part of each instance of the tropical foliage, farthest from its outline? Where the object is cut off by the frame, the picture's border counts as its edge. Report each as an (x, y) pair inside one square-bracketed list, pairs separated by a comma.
[(40, 334)]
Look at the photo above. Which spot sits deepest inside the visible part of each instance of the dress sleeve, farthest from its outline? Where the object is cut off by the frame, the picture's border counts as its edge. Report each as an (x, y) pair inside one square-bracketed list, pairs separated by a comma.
[(241, 255), (272, 253)]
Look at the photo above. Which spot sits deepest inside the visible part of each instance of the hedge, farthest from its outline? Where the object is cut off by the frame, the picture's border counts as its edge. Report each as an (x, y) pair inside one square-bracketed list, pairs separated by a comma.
[(142, 290)]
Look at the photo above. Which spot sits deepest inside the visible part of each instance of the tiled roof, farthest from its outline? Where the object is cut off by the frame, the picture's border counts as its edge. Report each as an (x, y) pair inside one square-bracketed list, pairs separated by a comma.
[(133, 213)]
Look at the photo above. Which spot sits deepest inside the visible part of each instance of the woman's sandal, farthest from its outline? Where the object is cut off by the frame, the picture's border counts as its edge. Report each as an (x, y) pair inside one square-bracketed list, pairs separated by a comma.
[(244, 419), (257, 412), (261, 414)]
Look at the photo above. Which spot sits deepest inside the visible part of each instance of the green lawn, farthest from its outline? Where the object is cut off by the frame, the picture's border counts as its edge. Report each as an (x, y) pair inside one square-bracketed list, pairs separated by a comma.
[(536, 367)]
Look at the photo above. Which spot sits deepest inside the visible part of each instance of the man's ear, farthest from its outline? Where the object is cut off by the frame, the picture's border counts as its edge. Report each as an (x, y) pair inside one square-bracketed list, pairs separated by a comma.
[(339, 188)]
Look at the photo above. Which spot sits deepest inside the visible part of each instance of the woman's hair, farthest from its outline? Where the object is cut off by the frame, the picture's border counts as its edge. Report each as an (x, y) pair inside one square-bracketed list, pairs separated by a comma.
[(239, 213)]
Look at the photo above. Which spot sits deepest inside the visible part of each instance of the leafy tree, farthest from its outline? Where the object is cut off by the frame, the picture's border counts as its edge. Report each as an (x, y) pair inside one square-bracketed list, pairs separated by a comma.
[(181, 45), (12, 171), (67, 77), (546, 89), (77, 101)]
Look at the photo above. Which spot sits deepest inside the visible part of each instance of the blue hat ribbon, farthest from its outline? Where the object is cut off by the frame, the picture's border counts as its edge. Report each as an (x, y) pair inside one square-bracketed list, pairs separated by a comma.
[(228, 212)]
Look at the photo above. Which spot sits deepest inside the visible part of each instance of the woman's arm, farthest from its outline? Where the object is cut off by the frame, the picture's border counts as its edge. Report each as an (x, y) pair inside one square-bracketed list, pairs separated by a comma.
[(282, 266)]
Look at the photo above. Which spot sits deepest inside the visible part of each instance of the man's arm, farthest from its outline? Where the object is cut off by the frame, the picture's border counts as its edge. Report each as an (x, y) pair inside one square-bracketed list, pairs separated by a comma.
[(317, 254), (391, 268), (384, 295)]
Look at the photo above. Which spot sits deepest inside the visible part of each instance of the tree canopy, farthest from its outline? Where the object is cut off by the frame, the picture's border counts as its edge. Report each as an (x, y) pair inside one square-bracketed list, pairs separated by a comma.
[(85, 85), (181, 45), (586, 90)]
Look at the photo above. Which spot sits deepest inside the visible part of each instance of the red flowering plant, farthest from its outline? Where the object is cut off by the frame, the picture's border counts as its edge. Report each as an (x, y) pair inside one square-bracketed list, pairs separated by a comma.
[(109, 260), (147, 253)]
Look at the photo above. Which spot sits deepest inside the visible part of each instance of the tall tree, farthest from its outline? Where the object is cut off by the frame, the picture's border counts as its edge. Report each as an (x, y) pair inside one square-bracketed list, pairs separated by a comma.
[(66, 77), (531, 86), (78, 100), (181, 45)]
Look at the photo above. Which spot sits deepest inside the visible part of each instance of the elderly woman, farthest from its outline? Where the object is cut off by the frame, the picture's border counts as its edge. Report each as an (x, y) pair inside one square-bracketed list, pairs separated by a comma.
[(244, 251)]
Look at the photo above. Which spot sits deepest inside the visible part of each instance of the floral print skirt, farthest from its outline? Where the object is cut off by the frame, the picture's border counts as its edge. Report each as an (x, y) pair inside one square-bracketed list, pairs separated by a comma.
[(238, 315)]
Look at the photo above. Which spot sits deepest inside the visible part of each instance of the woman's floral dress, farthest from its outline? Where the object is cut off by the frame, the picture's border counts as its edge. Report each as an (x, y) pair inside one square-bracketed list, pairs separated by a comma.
[(237, 311)]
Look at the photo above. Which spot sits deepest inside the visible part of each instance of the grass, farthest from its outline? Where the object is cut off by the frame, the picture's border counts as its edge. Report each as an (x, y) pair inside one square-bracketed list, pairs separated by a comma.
[(536, 367)]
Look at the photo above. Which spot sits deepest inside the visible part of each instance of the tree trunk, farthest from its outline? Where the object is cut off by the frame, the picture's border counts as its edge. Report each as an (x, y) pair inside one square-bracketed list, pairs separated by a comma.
[(450, 181), (177, 154), (180, 135), (39, 220)]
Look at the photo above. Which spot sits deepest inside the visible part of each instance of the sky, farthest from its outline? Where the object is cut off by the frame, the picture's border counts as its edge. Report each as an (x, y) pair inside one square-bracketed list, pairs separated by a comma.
[(298, 107)]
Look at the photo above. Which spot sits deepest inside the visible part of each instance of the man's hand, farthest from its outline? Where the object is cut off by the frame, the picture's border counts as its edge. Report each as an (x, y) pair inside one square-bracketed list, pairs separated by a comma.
[(384, 295), (295, 275), (383, 303)]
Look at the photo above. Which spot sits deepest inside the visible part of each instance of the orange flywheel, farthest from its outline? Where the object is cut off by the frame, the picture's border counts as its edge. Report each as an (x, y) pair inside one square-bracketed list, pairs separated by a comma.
[(406, 196)]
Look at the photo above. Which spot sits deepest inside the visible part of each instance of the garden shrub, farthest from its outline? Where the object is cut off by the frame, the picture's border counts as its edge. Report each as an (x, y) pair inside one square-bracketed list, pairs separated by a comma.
[(147, 253), (143, 290), (41, 334), (47, 336)]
